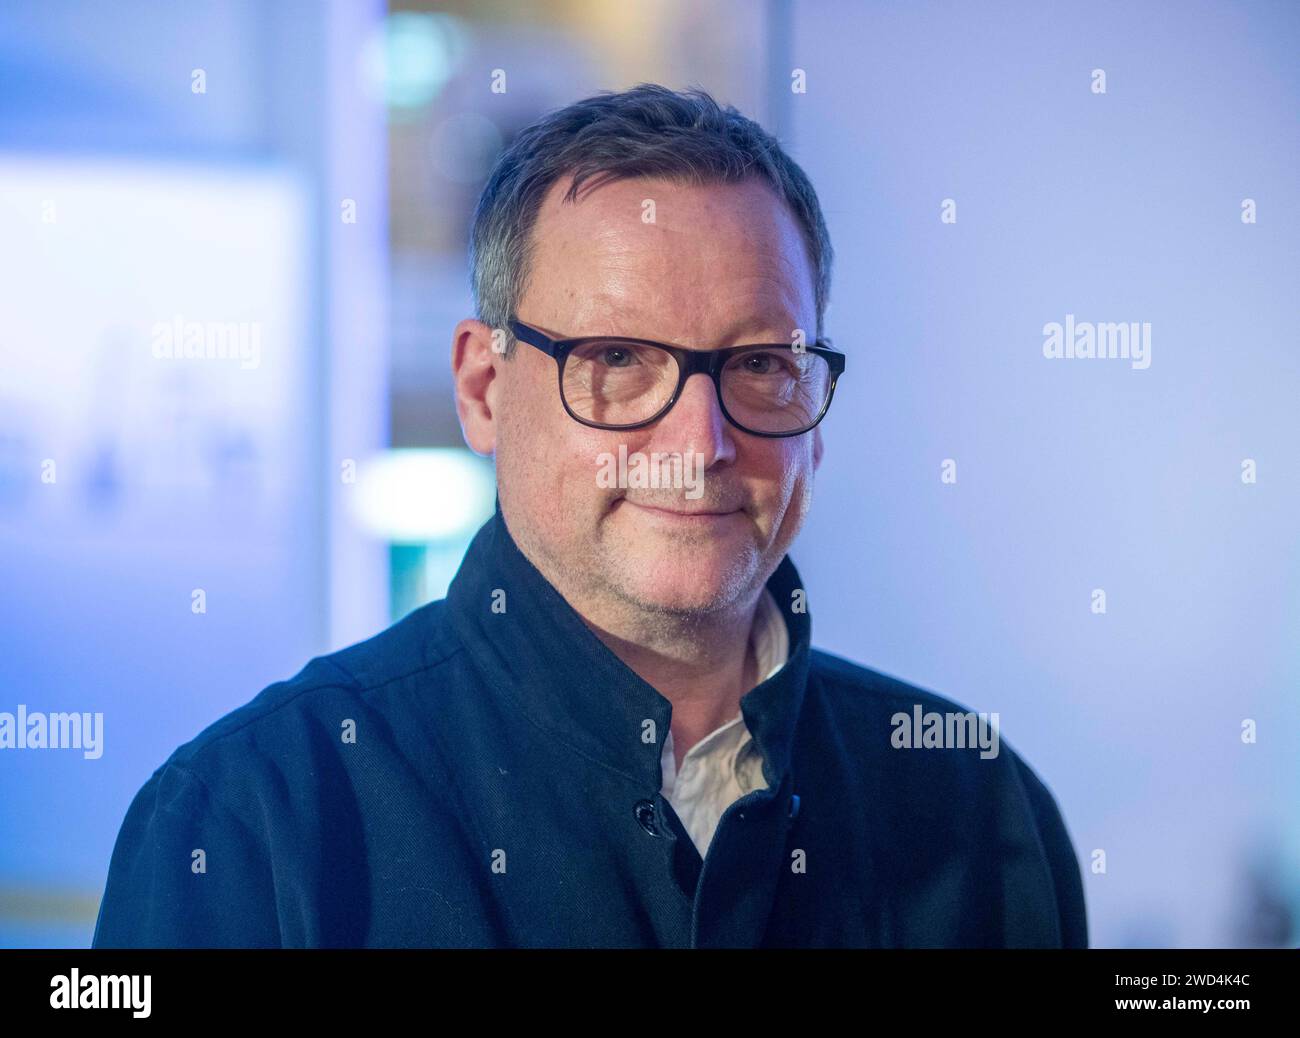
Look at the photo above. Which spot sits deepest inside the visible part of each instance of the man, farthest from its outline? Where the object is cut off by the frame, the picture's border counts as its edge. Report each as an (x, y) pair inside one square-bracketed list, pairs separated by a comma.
[(614, 731)]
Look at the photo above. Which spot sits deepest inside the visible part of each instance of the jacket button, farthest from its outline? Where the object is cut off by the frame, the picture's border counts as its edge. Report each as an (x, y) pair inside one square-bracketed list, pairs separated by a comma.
[(645, 816), (794, 805)]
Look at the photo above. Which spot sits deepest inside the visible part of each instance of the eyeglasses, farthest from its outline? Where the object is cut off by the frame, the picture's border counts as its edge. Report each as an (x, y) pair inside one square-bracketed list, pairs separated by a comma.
[(766, 389)]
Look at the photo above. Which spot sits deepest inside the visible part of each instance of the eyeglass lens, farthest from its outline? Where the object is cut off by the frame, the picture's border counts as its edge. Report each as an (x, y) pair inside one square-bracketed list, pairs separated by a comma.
[(770, 389)]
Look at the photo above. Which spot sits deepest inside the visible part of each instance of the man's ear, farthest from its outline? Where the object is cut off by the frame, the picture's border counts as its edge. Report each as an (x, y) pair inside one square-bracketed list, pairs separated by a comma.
[(475, 356), (818, 447)]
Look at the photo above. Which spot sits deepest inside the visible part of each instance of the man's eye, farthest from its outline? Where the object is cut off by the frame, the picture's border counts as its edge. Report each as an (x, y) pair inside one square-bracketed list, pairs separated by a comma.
[(616, 357), (760, 363)]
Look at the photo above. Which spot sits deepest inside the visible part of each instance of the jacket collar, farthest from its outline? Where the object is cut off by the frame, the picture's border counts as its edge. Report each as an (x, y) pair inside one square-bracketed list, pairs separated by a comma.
[(534, 648)]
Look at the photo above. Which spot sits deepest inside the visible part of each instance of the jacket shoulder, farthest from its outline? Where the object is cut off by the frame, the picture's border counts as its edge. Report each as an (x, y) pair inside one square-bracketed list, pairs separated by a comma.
[(865, 701), (360, 674), (851, 683), (219, 828)]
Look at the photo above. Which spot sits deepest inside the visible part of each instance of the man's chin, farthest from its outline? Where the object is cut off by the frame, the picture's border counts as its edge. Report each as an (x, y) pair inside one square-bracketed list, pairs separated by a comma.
[(685, 582), (687, 566)]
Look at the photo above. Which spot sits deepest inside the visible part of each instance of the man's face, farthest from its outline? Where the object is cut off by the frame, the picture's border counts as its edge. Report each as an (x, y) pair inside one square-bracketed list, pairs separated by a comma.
[(720, 265)]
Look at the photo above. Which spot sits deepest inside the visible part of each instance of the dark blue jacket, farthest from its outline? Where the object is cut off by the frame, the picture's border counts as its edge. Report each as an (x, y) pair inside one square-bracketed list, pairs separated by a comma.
[(500, 787)]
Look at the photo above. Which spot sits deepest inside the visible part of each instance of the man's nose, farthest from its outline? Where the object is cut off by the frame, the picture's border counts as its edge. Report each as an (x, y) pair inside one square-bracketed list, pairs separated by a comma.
[(696, 422)]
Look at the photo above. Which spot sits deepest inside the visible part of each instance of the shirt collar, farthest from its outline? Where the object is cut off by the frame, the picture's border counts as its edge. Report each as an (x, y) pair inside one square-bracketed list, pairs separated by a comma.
[(771, 649), (535, 649)]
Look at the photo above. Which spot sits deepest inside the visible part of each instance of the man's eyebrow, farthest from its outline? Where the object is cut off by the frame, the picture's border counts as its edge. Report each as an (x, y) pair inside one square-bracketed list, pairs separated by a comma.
[(759, 329), (754, 327)]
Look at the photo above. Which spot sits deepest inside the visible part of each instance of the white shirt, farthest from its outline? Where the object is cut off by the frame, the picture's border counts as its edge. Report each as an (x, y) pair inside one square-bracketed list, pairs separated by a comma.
[(726, 764)]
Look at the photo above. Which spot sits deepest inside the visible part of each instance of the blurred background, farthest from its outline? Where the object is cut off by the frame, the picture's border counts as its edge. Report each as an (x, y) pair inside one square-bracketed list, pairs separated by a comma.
[(290, 184)]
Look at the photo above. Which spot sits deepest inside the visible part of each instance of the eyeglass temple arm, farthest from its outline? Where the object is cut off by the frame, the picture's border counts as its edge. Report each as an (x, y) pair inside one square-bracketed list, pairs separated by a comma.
[(833, 357), (533, 337)]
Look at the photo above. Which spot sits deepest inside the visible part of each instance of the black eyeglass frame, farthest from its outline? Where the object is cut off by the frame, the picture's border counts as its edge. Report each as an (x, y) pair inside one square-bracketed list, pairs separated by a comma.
[(689, 362)]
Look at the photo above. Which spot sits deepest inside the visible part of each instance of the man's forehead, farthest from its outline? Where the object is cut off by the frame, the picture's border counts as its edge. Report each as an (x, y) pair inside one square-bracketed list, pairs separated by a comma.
[(659, 203), (642, 250)]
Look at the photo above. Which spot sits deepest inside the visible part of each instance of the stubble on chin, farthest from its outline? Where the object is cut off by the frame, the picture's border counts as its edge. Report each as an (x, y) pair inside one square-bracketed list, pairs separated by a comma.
[(630, 581)]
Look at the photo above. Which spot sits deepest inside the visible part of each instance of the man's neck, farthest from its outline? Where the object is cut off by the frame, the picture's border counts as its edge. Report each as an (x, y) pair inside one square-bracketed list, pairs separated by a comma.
[(703, 669), (701, 663)]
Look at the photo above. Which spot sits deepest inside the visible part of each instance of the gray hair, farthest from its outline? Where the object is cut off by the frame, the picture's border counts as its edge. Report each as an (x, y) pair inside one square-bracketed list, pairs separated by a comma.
[(648, 130)]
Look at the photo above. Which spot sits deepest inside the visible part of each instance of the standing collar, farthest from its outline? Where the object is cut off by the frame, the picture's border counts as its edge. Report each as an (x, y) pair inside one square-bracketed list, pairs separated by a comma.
[(770, 637), (535, 649), (771, 649)]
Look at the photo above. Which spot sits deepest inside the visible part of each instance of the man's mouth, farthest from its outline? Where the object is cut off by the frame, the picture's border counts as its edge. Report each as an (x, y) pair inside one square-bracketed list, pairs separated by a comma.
[(695, 516)]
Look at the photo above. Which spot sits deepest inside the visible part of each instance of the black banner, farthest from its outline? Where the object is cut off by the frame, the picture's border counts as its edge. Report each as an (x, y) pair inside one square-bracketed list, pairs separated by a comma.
[(334, 986)]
